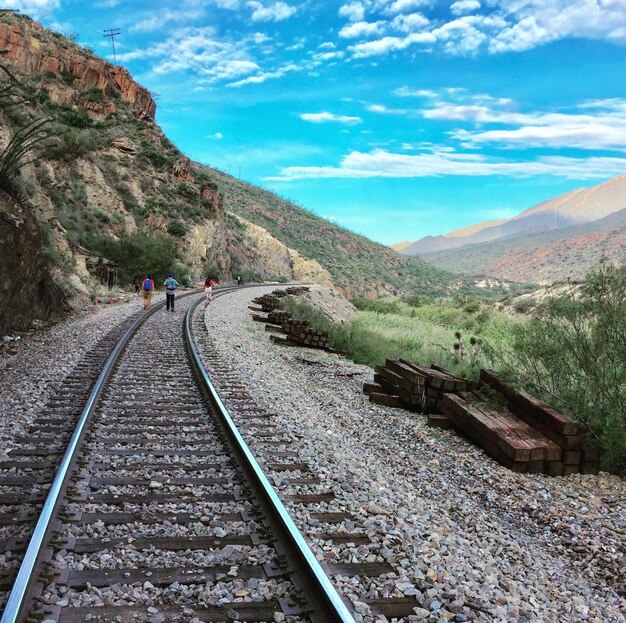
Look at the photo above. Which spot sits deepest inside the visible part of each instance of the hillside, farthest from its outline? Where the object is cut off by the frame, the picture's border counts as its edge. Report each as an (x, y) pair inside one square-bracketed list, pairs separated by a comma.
[(355, 264), (542, 257), (106, 184), (579, 206)]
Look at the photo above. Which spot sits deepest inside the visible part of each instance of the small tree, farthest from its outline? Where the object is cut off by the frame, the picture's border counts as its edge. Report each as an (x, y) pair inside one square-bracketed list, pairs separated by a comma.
[(573, 353), (177, 228)]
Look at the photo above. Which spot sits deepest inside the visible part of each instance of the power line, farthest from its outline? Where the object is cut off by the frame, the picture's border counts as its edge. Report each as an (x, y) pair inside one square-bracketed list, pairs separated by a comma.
[(112, 33)]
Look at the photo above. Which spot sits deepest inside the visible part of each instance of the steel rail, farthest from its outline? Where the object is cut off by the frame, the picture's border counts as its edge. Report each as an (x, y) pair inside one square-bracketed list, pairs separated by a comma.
[(328, 607), (18, 598)]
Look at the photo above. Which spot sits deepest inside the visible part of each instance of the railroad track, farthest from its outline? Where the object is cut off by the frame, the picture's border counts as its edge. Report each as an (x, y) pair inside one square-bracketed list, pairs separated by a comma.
[(158, 511)]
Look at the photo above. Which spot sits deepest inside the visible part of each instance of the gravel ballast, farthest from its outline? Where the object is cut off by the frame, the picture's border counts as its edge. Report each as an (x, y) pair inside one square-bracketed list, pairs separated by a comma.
[(33, 368), (469, 538)]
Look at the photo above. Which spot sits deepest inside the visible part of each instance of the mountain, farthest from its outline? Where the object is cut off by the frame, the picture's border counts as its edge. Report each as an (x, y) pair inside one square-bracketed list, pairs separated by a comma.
[(105, 187), (582, 205), (543, 257)]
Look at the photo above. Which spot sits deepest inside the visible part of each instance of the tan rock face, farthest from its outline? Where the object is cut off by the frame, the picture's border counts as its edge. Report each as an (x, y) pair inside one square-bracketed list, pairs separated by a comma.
[(31, 52), (215, 199), (182, 171), (273, 258)]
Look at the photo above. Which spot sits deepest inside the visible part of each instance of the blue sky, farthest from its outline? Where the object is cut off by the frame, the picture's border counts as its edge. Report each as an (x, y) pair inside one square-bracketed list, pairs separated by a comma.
[(394, 118)]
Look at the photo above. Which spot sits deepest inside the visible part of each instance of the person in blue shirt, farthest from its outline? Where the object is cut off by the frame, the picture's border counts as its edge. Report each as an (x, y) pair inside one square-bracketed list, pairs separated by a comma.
[(170, 291)]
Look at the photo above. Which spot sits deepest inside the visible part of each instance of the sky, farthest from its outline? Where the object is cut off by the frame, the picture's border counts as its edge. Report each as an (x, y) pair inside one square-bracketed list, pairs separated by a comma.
[(394, 118)]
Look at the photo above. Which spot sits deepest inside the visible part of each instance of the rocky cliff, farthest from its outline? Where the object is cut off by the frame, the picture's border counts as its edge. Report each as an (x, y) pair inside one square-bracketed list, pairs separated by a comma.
[(31, 50), (27, 290)]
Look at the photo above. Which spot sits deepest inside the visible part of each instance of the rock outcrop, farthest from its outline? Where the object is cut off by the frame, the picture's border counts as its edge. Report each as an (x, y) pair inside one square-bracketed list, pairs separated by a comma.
[(29, 49), (26, 287)]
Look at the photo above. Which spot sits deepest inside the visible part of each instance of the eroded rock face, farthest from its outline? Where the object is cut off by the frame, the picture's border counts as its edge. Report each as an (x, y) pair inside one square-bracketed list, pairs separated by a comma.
[(26, 287), (272, 258), (182, 170), (30, 50)]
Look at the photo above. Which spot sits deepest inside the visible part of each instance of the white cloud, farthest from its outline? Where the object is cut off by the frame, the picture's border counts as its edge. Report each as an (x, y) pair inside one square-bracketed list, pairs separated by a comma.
[(34, 8), (462, 7), (381, 109), (361, 29), (197, 50), (596, 124), (231, 5), (266, 75), (410, 22), (276, 12), (389, 44), (326, 117), (535, 22), (405, 91), (164, 16), (401, 6), (218, 136), (260, 37), (381, 163), (354, 11), (327, 45)]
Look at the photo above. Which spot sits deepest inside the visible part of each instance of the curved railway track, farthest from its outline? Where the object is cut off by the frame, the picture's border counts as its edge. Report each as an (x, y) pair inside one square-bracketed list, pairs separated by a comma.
[(158, 510)]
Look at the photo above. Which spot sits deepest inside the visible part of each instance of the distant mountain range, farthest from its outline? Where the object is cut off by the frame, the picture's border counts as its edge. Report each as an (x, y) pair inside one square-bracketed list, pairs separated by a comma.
[(558, 238)]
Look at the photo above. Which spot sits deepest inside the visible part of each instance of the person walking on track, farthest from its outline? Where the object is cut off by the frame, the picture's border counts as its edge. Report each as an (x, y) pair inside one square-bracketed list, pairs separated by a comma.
[(147, 287), (170, 291), (209, 284)]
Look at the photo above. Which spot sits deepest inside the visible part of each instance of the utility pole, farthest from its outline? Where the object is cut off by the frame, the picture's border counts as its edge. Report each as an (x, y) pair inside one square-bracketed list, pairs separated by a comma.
[(112, 33)]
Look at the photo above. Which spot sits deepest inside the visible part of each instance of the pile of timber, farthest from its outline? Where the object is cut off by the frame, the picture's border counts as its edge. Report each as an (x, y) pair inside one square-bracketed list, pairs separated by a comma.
[(270, 302), (295, 290), (520, 431), (404, 384), (296, 332)]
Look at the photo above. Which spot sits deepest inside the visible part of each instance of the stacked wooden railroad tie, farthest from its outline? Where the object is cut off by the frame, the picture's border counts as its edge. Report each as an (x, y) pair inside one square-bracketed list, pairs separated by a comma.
[(298, 332), (520, 431), (271, 301), (402, 383)]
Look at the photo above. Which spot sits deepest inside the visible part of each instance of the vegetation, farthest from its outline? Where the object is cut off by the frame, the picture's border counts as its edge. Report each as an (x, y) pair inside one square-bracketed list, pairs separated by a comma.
[(139, 255), (177, 228), (573, 355), (442, 333), (570, 353)]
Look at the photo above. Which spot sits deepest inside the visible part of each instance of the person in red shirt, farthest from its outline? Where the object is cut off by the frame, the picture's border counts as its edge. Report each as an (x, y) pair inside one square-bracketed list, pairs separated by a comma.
[(209, 284)]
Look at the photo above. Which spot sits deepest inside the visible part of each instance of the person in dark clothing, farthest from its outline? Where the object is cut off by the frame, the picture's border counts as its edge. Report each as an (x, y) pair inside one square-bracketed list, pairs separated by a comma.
[(239, 282), (170, 292)]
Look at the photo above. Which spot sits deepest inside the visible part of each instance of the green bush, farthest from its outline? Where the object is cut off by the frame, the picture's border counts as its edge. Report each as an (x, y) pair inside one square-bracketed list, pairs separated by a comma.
[(150, 153), (94, 95), (69, 144), (187, 190), (177, 228), (139, 254), (73, 118), (573, 354)]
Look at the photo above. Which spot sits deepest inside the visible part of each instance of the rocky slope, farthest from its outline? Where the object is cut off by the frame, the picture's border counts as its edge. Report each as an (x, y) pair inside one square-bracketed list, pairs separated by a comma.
[(545, 257), (582, 205)]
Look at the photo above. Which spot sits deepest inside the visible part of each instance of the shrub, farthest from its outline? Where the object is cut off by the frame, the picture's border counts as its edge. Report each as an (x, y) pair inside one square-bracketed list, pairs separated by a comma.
[(572, 354), (153, 155), (177, 228), (94, 95), (139, 254), (187, 190), (73, 118)]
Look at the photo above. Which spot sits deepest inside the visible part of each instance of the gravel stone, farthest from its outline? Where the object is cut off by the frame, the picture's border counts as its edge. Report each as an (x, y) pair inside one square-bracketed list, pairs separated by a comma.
[(467, 533)]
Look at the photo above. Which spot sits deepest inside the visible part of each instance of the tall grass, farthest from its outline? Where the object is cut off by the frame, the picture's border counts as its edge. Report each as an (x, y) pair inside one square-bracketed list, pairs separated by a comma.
[(426, 335)]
